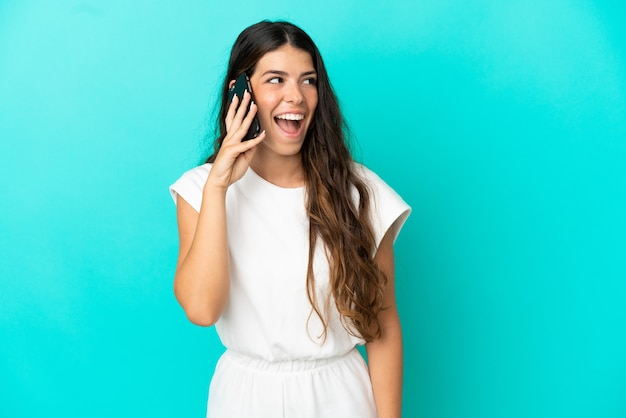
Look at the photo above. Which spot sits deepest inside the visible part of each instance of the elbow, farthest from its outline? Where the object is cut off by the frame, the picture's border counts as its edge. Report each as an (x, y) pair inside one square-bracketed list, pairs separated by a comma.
[(199, 312), (201, 306), (200, 318), (201, 315)]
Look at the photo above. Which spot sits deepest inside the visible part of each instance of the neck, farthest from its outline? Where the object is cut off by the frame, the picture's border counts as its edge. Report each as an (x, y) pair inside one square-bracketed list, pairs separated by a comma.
[(283, 171)]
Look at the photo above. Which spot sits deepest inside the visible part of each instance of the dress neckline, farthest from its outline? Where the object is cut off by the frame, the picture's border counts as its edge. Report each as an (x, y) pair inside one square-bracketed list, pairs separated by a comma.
[(258, 179)]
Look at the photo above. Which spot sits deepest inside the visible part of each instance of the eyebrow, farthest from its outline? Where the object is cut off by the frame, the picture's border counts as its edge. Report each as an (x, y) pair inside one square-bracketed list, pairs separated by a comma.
[(283, 73)]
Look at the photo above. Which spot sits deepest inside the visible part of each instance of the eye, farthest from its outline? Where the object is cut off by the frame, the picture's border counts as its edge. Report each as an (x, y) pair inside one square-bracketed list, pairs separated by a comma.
[(310, 81), (275, 80)]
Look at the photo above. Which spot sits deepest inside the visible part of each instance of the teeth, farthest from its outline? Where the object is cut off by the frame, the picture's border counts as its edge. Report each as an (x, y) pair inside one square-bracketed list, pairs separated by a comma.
[(291, 116)]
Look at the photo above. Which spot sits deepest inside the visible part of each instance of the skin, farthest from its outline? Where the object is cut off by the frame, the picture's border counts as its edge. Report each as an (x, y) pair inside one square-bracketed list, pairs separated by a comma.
[(385, 357), (283, 83)]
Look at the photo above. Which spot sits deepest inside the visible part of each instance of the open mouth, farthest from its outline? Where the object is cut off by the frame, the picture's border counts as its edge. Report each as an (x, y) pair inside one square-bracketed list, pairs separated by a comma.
[(290, 123)]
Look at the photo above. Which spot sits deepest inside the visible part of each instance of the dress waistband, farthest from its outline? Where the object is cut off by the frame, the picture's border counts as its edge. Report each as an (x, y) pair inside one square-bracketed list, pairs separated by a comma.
[(283, 366)]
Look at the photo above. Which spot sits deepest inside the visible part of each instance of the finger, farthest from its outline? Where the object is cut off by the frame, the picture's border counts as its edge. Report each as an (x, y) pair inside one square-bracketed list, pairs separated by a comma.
[(239, 128), (252, 143), (248, 150), (251, 113), (234, 149), (232, 109), (243, 107), (245, 124), (249, 153), (233, 160), (235, 117)]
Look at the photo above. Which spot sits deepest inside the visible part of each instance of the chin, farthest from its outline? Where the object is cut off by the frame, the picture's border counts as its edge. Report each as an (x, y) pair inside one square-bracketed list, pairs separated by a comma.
[(280, 145)]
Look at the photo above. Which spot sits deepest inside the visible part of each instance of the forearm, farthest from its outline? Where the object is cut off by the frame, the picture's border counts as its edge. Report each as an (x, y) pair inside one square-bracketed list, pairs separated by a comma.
[(385, 360), (202, 283)]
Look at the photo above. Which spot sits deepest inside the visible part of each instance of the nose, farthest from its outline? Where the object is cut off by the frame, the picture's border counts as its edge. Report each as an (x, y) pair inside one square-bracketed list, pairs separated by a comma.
[(293, 94)]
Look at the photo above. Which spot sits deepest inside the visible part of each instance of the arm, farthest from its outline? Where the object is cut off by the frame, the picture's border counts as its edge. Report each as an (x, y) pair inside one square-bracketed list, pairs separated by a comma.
[(385, 354), (201, 282), (202, 279)]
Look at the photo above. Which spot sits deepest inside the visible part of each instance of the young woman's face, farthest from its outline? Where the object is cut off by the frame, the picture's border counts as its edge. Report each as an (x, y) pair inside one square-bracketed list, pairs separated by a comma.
[(285, 90)]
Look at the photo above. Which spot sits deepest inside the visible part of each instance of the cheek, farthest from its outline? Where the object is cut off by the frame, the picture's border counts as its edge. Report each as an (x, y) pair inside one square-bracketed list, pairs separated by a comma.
[(263, 109), (313, 102), (264, 103), (264, 115)]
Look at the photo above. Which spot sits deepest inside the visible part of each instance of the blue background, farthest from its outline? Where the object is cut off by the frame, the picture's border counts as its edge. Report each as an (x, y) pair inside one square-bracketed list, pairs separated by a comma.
[(503, 124)]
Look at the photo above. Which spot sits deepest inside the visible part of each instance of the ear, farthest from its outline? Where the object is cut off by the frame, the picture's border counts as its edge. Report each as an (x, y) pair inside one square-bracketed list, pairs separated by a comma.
[(230, 85)]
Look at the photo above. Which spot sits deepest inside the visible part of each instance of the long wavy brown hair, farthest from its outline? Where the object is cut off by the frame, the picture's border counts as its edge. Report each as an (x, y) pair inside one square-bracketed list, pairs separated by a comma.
[(340, 220)]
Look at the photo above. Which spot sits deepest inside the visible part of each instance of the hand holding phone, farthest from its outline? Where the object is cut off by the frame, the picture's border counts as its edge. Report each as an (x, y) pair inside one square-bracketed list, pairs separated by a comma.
[(242, 84)]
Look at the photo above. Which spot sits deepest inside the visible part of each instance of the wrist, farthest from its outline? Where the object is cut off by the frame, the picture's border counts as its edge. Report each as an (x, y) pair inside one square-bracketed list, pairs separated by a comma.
[(213, 191)]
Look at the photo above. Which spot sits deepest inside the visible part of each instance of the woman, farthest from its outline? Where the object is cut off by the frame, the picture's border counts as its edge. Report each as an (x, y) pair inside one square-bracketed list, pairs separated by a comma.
[(286, 245)]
